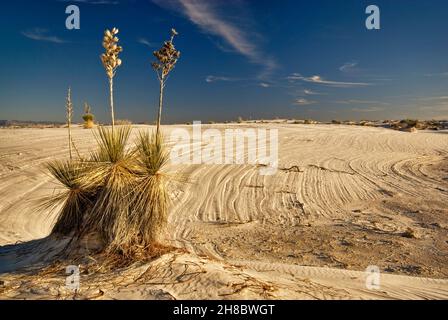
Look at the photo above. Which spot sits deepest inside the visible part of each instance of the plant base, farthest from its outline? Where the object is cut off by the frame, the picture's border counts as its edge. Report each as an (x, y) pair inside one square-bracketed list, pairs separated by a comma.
[(89, 125)]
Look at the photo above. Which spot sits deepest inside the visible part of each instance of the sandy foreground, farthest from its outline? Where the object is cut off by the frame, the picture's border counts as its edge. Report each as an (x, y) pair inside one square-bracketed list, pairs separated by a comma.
[(344, 198)]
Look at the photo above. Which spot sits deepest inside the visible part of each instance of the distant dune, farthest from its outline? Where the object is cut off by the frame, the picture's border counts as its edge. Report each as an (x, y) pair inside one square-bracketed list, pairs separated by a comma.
[(18, 123)]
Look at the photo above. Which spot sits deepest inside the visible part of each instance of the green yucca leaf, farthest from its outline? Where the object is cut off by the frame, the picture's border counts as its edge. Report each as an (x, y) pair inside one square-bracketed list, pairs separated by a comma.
[(112, 144), (151, 152)]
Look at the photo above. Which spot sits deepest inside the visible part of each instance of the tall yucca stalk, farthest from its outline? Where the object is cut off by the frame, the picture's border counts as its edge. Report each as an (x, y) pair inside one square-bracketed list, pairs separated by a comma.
[(167, 57), (69, 115), (111, 62)]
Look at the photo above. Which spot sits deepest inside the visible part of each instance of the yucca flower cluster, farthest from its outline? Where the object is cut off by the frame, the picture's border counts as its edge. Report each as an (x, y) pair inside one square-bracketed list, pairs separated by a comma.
[(111, 62), (110, 58), (167, 57)]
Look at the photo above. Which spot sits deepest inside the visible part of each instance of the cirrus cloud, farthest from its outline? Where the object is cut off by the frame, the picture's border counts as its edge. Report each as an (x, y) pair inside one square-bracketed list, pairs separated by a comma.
[(303, 102), (210, 20), (211, 79), (39, 34), (348, 66), (321, 81), (367, 110), (145, 42), (356, 101)]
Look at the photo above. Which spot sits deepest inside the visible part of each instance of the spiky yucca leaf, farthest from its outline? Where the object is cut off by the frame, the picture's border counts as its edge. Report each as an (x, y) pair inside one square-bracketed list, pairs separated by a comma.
[(152, 153), (114, 173), (120, 194), (75, 198), (150, 197), (112, 145)]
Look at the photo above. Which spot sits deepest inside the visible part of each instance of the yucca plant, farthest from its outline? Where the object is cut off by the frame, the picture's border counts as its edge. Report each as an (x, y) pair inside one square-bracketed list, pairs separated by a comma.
[(88, 117), (74, 201), (150, 197), (119, 193), (113, 174), (111, 62), (167, 57)]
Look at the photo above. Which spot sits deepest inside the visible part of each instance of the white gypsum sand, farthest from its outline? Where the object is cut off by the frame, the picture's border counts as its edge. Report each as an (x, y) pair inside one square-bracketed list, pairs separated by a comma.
[(344, 198)]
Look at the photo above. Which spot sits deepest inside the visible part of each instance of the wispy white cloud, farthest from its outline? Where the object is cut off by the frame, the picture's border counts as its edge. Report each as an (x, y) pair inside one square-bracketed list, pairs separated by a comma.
[(355, 101), (434, 107), (250, 81), (211, 79), (440, 107), (210, 20), (39, 34), (303, 102), (321, 81), (440, 74), (371, 109), (348, 66), (309, 92), (435, 98), (147, 43)]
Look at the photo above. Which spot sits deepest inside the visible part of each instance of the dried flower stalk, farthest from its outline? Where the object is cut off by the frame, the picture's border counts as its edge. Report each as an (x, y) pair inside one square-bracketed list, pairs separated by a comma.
[(87, 108), (167, 57), (111, 62), (69, 114)]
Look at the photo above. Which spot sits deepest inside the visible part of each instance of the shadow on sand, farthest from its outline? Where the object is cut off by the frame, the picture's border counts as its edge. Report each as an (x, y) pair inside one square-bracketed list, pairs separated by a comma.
[(32, 255)]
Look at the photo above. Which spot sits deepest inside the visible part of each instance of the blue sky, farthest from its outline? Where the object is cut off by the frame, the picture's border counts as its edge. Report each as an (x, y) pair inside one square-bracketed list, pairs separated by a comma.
[(254, 58)]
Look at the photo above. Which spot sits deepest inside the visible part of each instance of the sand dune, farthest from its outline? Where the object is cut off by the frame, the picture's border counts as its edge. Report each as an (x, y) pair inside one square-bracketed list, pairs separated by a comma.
[(344, 198)]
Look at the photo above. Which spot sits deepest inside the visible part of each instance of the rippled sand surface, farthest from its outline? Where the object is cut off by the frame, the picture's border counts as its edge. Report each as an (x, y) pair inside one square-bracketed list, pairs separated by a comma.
[(344, 198)]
